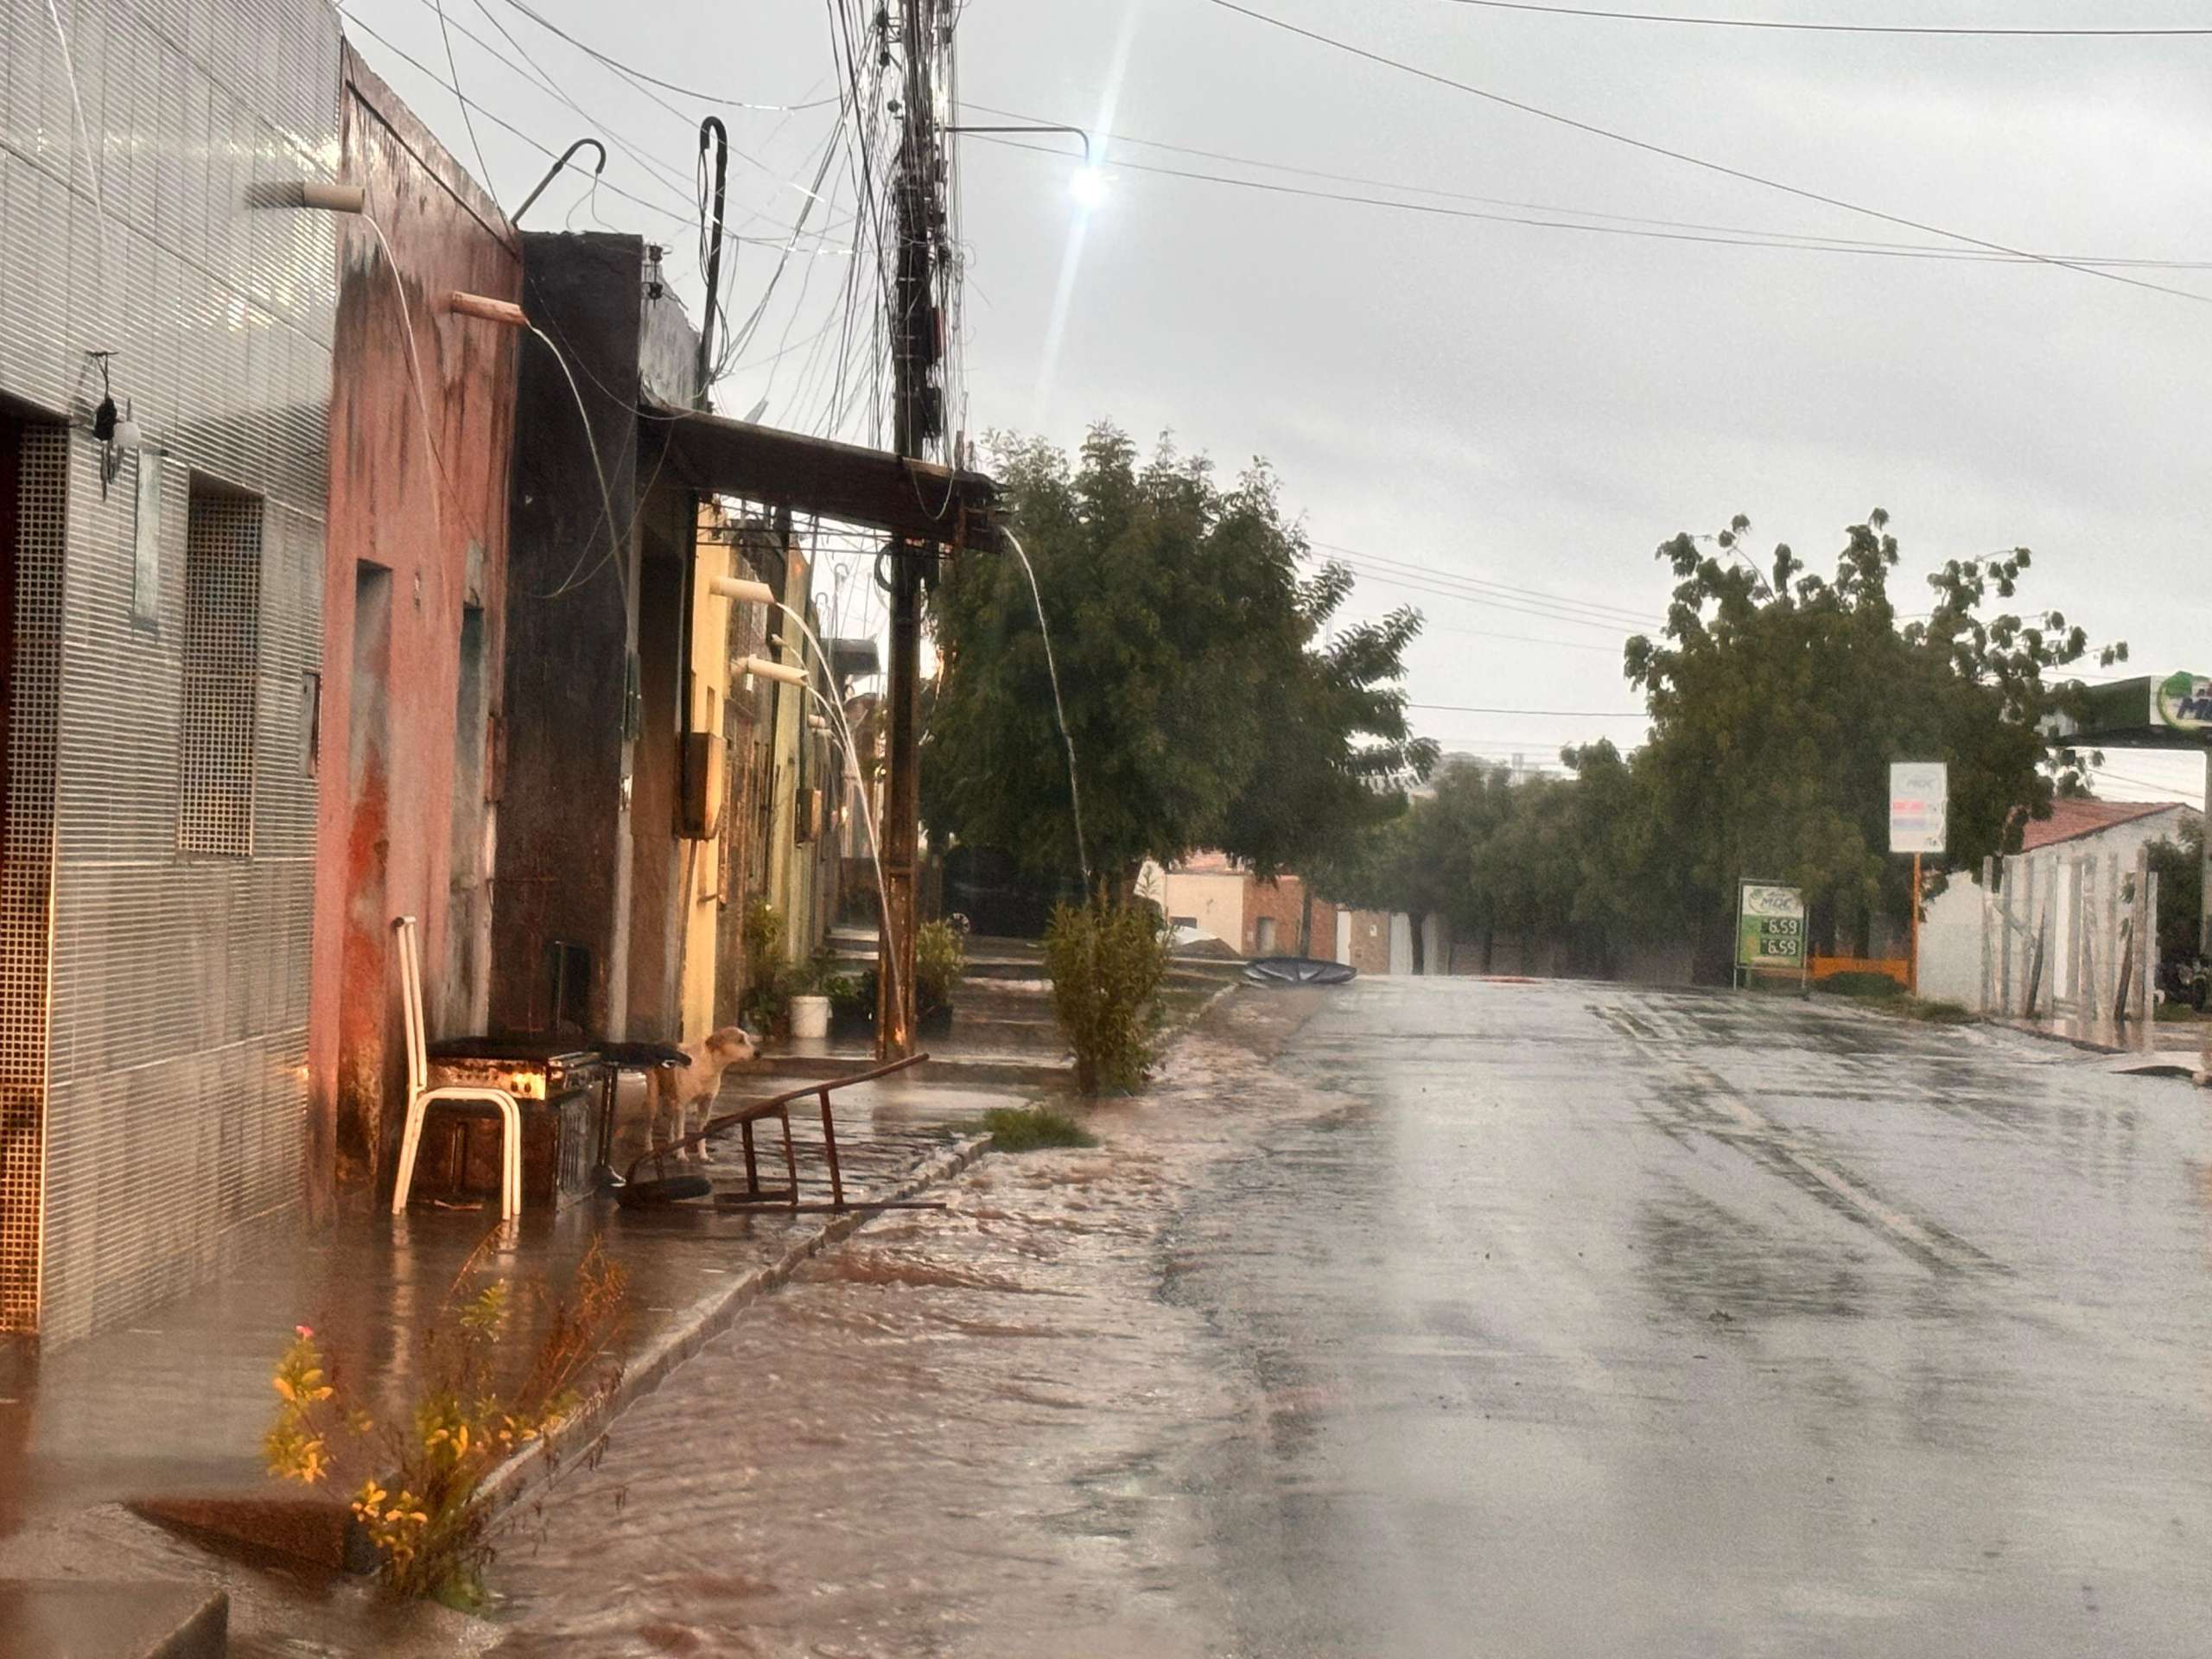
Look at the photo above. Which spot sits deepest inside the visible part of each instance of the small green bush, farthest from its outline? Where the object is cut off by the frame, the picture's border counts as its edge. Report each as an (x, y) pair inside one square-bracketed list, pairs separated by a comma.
[(1937, 1011), (1107, 961), (1875, 987), (768, 978), (940, 961), (1016, 1129)]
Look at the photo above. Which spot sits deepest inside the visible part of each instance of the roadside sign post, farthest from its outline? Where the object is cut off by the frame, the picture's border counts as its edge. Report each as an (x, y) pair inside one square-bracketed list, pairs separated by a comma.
[(1770, 932), (1919, 812)]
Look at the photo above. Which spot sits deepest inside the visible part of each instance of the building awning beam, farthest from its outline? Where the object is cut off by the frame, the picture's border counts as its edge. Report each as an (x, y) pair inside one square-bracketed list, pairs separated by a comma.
[(911, 500), (2173, 711)]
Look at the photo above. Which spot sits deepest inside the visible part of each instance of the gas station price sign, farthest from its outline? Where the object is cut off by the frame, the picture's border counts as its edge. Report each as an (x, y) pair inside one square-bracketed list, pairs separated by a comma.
[(1769, 928)]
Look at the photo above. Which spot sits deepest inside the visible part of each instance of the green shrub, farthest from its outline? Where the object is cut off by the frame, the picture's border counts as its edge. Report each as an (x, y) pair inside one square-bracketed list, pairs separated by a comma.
[(768, 978), (1874, 986), (940, 961), (1016, 1129), (1936, 1011), (1107, 961)]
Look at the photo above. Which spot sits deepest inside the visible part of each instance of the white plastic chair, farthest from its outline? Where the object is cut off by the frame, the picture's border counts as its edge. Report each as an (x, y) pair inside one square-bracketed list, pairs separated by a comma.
[(421, 1096)]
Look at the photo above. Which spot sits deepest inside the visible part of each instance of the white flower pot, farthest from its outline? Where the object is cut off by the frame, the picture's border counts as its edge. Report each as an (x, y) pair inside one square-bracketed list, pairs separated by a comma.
[(810, 1016)]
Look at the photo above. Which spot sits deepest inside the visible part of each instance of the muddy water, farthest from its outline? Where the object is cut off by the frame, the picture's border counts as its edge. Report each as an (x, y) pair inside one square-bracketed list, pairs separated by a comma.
[(962, 1433)]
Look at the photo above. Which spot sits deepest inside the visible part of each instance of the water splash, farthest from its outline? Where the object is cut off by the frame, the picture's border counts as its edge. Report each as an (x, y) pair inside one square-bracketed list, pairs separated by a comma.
[(844, 730), (1059, 709), (606, 495)]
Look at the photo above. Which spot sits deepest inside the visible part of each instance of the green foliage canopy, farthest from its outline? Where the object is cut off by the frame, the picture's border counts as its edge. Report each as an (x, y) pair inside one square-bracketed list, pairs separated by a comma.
[(1209, 702)]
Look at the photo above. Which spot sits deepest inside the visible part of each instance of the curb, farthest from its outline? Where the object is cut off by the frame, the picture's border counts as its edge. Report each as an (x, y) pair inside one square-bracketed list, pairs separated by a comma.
[(701, 1323)]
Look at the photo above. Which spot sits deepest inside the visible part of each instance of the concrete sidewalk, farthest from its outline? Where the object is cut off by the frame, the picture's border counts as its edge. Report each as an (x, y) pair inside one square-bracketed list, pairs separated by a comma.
[(174, 1408)]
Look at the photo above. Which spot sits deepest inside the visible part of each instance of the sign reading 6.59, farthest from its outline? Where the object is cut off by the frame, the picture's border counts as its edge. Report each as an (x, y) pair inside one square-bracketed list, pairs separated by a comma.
[(1769, 927)]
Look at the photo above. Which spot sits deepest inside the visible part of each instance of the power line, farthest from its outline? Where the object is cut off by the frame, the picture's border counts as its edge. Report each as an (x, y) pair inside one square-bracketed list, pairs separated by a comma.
[(1437, 573), (1421, 580), (636, 73), (1428, 628), (1618, 630), (1684, 157), (354, 20), (453, 68), (1728, 235), (1824, 29), (1563, 713), (1628, 225)]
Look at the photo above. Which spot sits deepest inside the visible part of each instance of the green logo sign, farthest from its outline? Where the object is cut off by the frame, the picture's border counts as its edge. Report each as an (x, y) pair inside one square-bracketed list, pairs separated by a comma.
[(2185, 700), (1769, 928)]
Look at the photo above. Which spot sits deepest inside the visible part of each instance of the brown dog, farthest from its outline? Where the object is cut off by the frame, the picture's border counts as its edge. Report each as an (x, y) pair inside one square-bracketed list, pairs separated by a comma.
[(677, 1089)]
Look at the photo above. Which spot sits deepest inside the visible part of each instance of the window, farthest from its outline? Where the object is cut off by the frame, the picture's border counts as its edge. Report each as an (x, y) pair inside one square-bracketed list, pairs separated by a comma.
[(221, 649)]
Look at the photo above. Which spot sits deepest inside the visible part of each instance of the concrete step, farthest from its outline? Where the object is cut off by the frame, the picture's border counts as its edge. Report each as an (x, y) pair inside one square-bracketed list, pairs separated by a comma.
[(91, 1619), (1013, 1036)]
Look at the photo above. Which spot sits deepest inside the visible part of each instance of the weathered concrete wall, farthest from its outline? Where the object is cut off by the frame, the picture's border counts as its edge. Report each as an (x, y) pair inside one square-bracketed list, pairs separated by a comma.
[(1365, 935), (588, 853), (563, 858), (1214, 902), (411, 686)]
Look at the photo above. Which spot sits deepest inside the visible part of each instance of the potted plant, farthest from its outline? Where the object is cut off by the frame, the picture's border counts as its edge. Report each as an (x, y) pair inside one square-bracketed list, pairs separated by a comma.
[(767, 1004), (852, 1003), (940, 960), (810, 1007)]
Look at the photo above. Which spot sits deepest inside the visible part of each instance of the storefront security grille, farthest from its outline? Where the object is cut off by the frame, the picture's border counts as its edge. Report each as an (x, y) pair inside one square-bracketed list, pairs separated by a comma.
[(27, 861)]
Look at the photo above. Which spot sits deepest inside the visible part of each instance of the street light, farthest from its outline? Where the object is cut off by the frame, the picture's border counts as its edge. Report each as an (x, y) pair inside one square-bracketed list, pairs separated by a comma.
[(1089, 185)]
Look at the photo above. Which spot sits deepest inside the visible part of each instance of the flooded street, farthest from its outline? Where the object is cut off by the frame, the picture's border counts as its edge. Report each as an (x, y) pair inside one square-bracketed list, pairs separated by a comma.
[(1524, 1319)]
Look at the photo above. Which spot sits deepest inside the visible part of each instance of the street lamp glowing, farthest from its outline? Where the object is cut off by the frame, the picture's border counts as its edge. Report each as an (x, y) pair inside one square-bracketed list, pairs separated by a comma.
[(1088, 187)]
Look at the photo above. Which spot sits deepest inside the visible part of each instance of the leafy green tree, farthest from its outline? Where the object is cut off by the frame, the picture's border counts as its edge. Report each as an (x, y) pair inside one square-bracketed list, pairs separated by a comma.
[(1779, 698), (1209, 703), (2179, 866)]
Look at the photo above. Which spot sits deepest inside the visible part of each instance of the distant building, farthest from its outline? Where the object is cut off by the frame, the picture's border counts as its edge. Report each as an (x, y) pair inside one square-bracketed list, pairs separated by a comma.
[(1213, 893)]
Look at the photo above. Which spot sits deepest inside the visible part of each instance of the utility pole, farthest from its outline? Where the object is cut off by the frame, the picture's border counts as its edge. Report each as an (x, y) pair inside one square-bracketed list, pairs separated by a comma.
[(918, 420)]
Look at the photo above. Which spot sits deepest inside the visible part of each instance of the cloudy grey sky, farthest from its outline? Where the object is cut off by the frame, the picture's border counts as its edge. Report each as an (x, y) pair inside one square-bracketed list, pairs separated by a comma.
[(1521, 407)]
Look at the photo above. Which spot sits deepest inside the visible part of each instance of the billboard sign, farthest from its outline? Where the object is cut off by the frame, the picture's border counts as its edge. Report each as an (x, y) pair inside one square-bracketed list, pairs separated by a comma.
[(1769, 928), (1920, 806)]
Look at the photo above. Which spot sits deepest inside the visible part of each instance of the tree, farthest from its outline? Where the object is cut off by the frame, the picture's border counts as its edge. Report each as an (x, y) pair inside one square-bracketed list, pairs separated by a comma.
[(1779, 701), (1336, 752), (1206, 703), (2179, 866)]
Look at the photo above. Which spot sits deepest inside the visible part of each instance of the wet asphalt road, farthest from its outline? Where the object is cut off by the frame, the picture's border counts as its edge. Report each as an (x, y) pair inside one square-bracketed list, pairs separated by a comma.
[(1600, 1321), (1460, 1319)]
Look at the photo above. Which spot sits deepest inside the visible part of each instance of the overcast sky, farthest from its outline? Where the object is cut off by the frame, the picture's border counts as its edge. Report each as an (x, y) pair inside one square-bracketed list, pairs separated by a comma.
[(1528, 407)]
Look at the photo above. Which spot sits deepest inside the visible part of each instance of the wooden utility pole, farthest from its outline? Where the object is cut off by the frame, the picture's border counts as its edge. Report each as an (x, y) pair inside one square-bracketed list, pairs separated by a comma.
[(917, 420)]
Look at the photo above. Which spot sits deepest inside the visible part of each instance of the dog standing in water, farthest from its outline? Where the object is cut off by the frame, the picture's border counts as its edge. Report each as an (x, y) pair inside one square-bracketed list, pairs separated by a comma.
[(677, 1089)]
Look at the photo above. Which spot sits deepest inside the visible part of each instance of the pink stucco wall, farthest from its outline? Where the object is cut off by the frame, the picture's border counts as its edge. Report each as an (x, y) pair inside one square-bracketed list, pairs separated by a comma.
[(433, 517)]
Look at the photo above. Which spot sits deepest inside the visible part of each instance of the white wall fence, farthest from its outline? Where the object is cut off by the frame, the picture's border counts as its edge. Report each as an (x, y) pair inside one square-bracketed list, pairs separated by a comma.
[(2071, 938)]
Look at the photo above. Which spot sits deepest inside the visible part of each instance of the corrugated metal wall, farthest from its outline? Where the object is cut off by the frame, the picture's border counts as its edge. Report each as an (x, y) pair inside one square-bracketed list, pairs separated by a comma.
[(176, 1096)]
